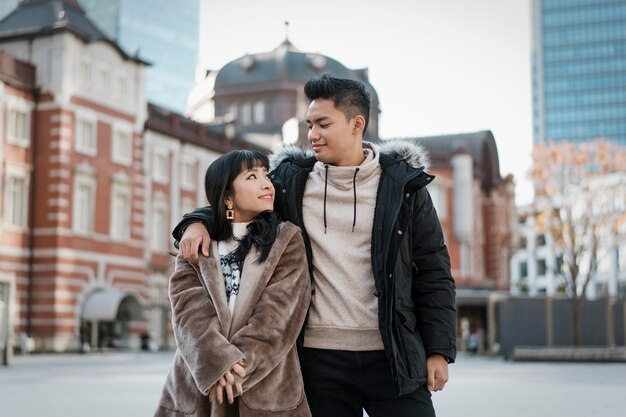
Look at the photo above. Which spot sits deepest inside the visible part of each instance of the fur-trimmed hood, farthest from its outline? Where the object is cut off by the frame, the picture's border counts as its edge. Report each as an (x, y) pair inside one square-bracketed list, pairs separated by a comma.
[(413, 154)]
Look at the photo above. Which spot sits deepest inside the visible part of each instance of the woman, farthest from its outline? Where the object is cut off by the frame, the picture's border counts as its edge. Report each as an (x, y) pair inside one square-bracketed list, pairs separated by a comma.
[(236, 315)]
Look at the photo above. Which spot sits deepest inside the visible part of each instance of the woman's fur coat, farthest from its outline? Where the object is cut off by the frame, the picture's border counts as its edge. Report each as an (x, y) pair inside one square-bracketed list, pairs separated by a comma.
[(269, 313)]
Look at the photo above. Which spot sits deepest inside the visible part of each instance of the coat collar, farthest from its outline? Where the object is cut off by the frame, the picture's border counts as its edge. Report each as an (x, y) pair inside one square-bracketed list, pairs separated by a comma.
[(254, 279)]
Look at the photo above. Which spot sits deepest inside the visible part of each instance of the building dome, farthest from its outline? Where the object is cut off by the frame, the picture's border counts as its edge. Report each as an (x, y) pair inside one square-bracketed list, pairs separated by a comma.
[(259, 93), (285, 63)]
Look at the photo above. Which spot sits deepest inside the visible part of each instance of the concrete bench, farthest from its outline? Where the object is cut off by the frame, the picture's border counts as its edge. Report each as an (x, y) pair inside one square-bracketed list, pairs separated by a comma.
[(569, 353)]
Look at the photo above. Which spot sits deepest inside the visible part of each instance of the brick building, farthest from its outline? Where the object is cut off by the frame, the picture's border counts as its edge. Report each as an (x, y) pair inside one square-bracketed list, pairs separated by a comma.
[(17, 100), (92, 178)]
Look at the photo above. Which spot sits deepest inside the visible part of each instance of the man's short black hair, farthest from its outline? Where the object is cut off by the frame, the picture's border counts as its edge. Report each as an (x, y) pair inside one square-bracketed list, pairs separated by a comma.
[(348, 96)]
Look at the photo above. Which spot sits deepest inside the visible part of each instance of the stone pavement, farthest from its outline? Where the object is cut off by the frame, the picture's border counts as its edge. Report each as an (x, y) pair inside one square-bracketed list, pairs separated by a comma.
[(129, 385)]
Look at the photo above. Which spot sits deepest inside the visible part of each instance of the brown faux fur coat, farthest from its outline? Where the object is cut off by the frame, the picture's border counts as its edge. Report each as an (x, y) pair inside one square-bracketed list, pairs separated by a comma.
[(269, 313)]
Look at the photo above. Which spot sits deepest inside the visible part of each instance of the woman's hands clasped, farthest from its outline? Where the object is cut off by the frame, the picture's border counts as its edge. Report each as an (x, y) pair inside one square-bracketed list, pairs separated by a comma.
[(229, 384)]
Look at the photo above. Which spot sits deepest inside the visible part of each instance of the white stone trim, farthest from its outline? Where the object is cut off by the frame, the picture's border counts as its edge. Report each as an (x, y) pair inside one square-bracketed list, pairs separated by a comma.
[(61, 118), (63, 217), (90, 256), (59, 159), (59, 187), (61, 144), (113, 274), (59, 173), (63, 132), (14, 266), (58, 202)]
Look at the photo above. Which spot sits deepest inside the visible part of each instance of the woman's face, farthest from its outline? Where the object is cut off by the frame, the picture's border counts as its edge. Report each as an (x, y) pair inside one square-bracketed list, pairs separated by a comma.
[(253, 194)]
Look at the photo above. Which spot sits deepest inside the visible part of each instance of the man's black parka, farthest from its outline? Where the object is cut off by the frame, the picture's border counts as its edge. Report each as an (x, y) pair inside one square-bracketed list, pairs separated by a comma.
[(411, 265)]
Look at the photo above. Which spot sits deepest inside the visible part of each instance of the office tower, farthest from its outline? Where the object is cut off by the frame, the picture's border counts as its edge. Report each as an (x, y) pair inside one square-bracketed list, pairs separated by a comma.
[(579, 70)]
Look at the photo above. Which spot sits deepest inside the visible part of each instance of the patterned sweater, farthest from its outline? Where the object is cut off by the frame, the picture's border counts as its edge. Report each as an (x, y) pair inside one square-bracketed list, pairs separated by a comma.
[(230, 269)]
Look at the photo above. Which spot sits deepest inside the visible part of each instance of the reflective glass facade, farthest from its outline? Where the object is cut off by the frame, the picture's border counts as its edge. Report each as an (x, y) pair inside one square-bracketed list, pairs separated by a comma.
[(579, 70), (164, 32)]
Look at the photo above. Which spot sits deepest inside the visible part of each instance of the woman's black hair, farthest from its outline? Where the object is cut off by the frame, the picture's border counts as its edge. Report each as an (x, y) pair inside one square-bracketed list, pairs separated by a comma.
[(218, 185)]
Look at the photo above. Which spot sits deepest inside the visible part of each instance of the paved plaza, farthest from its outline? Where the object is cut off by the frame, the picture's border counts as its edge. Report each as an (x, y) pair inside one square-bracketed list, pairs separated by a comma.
[(129, 385)]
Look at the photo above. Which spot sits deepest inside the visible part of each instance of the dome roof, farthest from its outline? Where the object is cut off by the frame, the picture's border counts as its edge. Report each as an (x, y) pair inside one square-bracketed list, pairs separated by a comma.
[(284, 63)]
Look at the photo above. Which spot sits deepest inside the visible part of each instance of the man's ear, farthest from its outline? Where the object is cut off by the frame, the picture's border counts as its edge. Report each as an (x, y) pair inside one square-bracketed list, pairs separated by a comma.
[(359, 124)]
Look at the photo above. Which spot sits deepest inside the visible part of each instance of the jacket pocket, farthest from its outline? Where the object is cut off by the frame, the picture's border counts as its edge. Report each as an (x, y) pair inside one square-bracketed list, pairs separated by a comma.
[(411, 344), (281, 390)]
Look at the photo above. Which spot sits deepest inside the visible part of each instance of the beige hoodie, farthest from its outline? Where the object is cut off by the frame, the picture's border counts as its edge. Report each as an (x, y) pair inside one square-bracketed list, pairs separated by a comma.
[(338, 214)]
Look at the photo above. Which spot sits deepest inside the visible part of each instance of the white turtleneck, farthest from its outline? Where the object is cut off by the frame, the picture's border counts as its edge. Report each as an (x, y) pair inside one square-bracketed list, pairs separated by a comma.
[(230, 270), (344, 310)]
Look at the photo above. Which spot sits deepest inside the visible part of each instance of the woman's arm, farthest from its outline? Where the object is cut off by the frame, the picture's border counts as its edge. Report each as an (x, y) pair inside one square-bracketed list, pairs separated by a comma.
[(278, 316), (205, 351)]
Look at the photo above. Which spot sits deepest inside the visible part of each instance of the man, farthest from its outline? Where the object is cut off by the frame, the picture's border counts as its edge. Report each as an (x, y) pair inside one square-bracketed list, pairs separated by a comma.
[(381, 328)]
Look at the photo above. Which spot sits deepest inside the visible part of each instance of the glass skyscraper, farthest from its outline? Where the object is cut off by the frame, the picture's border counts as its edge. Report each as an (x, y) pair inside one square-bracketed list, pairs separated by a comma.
[(162, 32), (579, 70)]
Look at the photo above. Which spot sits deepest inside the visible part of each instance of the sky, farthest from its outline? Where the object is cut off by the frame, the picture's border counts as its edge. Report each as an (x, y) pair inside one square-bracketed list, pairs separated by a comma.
[(438, 66)]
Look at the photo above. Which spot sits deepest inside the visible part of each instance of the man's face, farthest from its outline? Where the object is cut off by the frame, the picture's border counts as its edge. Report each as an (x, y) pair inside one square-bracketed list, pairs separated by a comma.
[(333, 137)]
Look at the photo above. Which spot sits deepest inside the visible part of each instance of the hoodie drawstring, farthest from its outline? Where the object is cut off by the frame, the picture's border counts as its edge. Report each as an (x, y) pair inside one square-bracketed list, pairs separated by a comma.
[(354, 189), (354, 193), (325, 190)]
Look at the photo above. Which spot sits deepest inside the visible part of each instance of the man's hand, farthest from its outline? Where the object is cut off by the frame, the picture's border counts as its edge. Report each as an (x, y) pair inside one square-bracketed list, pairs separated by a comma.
[(437, 367), (196, 237)]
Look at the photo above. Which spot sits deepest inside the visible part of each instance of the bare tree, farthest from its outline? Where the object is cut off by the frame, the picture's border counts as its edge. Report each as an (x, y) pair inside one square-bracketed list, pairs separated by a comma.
[(580, 203)]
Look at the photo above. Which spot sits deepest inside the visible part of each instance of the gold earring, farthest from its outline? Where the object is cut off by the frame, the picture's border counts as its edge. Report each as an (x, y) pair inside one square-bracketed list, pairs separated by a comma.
[(230, 213)]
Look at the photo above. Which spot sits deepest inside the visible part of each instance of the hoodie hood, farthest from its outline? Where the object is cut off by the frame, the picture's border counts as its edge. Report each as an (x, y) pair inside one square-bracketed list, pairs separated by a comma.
[(411, 153)]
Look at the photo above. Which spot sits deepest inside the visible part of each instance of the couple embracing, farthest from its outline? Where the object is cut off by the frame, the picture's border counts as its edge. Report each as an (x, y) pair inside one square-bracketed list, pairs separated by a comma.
[(318, 286)]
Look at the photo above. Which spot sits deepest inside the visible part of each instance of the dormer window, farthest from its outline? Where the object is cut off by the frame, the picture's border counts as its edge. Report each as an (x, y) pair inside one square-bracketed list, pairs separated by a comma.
[(317, 61), (246, 63)]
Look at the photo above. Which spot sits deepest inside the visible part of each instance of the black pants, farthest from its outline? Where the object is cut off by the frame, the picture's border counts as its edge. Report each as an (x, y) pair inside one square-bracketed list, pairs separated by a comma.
[(342, 383)]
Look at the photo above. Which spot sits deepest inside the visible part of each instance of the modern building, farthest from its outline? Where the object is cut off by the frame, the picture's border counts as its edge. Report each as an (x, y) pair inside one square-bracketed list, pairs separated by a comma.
[(262, 94), (579, 70), (162, 32), (92, 180)]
